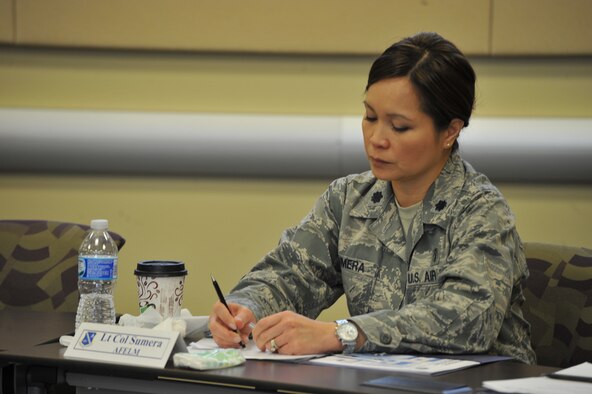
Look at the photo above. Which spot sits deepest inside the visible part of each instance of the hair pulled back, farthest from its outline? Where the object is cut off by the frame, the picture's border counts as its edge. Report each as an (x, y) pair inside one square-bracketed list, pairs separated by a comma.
[(441, 75)]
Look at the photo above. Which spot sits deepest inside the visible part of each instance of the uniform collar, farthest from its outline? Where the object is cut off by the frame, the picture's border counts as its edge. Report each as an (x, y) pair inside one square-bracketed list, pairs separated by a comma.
[(444, 192), (375, 201), (436, 204)]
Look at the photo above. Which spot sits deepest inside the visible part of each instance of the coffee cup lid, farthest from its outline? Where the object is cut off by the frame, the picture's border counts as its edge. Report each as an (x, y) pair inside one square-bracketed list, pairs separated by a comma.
[(160, 268)]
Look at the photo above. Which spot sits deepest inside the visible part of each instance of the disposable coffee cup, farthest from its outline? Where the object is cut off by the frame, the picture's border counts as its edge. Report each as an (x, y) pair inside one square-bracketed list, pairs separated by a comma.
[(160, 286)]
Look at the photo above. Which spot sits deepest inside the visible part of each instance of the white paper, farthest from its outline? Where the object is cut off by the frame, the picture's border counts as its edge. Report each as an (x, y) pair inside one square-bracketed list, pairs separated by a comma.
[(397, 363), (538, 385), (583, 370), (196, 325), (250, 352), (545, 385)]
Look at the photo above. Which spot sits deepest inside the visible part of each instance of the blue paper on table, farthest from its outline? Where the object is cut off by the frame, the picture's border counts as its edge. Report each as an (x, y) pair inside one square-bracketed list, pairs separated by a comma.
[(419, 385)]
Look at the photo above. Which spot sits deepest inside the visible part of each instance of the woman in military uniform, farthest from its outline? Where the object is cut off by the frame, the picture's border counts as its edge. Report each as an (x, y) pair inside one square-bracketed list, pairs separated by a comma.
[(424, 247)]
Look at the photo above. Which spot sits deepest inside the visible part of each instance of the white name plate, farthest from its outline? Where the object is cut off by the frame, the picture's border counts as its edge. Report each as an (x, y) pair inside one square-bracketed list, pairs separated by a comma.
[(122, 345)]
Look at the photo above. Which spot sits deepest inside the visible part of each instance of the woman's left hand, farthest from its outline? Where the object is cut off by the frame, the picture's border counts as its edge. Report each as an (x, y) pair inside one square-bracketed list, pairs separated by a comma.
[(295, 334)]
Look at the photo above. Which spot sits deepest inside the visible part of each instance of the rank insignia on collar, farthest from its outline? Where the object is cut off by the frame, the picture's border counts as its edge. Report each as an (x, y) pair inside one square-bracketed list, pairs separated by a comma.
[(440, 205), (376, 197)]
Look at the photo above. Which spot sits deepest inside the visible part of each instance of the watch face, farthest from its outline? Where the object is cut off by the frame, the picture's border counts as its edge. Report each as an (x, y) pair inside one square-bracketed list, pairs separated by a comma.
[(347, 332)]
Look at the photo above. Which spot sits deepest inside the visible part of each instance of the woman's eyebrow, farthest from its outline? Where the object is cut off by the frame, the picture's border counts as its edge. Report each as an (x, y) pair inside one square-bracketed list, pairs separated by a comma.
[(389, 114), (397, 115)]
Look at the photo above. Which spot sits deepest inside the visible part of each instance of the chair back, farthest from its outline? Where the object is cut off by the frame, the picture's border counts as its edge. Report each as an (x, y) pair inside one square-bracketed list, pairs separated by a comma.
[(39, 264), (558, 303)]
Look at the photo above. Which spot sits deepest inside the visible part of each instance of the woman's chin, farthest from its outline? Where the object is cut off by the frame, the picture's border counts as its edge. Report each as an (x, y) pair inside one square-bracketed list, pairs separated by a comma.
[(381, 174)]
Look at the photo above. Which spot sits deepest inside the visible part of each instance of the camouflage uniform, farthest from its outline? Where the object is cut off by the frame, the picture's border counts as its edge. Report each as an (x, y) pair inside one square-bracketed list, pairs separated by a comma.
[(456, 288)]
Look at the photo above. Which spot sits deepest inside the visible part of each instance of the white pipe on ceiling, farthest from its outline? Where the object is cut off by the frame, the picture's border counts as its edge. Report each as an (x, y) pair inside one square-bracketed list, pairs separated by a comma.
[(111, 142)]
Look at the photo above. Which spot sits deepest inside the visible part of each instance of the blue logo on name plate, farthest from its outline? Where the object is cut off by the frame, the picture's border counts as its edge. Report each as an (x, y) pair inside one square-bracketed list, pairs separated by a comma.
[(88, 338)]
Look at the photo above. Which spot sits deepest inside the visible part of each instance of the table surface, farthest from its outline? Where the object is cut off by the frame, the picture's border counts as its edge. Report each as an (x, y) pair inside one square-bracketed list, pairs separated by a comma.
[(260, 375), (24, 328)]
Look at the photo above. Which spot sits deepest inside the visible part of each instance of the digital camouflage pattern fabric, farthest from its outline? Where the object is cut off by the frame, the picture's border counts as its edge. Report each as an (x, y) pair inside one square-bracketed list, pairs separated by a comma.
[(559, 303), (454, 288), (39, 264)]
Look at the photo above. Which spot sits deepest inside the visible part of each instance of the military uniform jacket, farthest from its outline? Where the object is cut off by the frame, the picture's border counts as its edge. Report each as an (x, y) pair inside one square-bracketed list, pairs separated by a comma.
[(453, 287)]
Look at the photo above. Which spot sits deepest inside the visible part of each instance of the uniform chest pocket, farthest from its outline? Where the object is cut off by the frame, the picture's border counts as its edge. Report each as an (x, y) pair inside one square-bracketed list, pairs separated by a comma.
[(358, 276)]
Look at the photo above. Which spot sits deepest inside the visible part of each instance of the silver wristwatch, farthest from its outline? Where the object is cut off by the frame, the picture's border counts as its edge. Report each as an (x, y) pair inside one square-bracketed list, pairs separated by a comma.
[(347, 333)]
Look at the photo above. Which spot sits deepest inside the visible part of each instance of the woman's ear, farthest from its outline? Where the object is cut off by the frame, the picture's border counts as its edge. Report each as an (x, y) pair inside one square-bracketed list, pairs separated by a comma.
[(452, 132)]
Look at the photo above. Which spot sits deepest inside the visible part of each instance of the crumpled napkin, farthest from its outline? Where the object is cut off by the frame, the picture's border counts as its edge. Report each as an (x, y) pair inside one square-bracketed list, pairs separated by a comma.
[(149, 319), (188, 326), (209, 359), (170, 324)]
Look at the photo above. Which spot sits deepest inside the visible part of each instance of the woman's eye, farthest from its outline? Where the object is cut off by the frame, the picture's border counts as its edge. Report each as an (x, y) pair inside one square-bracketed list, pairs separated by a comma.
[(370, 118), (400, 129)]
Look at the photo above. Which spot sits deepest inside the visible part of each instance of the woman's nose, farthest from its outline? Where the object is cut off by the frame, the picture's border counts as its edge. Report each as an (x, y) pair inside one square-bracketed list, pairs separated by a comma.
[(378, 137)]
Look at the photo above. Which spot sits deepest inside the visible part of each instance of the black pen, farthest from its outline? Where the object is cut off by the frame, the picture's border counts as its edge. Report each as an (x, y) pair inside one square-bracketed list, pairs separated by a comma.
[(223, 301)]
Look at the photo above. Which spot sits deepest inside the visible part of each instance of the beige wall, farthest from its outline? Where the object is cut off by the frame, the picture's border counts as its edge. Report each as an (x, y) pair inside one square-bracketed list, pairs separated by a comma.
[(268, 26), (174, 82), (6, 21), (496, 27), (223, 226)]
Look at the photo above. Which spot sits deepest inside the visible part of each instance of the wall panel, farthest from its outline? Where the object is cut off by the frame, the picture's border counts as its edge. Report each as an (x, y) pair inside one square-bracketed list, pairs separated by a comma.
[(6, 21), (541, 27), (305, 26)]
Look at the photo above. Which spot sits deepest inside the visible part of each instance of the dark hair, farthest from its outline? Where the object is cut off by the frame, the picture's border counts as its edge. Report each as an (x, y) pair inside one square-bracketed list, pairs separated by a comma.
[(442, 76)]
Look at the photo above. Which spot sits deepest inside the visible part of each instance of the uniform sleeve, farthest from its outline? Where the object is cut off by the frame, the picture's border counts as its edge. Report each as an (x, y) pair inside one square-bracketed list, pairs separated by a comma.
[(465, 312), (299, 274)]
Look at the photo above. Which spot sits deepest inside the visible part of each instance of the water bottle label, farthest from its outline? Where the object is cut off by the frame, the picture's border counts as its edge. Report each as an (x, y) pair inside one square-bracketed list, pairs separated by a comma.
[(97, 268)]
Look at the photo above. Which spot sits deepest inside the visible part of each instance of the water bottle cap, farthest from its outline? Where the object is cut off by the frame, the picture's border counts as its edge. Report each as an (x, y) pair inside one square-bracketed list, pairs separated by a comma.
[(99, 224)]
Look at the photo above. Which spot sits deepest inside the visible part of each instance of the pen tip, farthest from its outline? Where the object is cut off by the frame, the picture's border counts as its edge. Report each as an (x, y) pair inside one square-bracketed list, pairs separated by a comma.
[(212, 276)]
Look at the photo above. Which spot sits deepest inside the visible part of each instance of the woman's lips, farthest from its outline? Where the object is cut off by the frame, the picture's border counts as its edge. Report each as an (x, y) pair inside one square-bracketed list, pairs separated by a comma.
[(377, 161)]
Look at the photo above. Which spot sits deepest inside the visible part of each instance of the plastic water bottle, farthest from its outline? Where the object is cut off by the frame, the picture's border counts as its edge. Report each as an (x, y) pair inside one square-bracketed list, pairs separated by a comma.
[(97, 274)]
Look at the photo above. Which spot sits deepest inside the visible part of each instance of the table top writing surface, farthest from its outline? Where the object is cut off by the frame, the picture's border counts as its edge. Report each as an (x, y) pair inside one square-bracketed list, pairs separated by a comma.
[(262, 375), (25, 328)]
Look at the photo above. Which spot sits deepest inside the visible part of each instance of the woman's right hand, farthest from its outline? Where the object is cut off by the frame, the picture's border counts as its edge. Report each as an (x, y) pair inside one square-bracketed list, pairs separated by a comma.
[(224, 324)]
